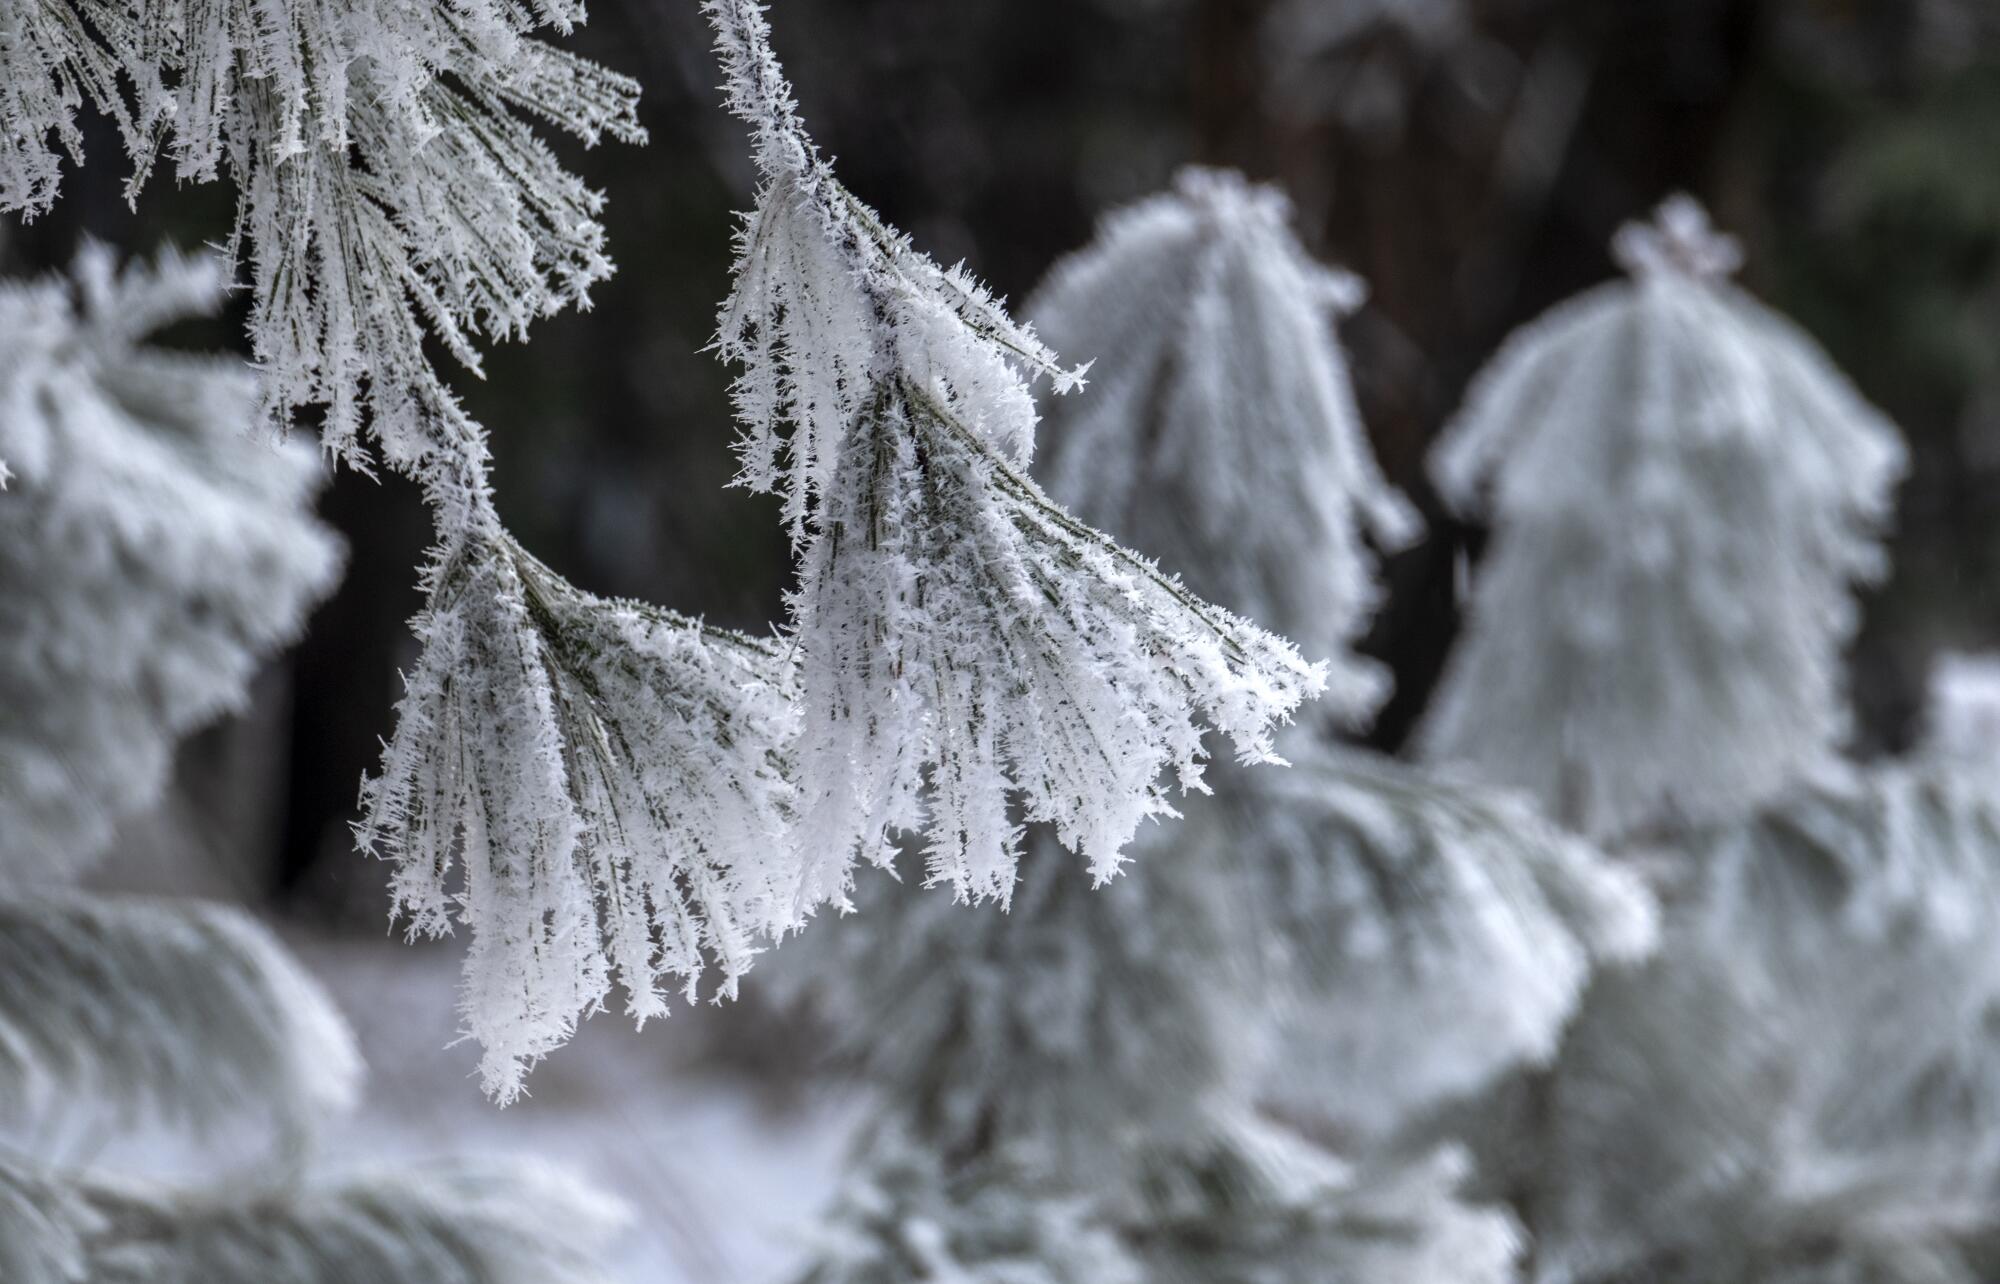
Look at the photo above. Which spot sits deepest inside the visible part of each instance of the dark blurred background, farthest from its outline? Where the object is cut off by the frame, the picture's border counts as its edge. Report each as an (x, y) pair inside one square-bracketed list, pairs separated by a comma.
[(1469, 158)]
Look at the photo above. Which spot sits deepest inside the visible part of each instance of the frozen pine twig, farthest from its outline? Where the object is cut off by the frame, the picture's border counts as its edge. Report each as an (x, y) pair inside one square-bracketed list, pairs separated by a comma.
[(389, 181), (965, 648), (611, 779)]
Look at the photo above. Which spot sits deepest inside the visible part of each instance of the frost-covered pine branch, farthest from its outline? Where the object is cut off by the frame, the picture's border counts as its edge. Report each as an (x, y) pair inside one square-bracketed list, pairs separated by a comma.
[(467, 1224), (1429, 934), (178, 1011), (1220, 433), (965, 648), (151, 552), (611, 779), (1682, 490), (390, 183)]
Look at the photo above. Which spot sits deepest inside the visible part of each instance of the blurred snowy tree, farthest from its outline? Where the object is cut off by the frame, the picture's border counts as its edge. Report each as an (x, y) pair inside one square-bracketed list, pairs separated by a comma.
[(1683, 489), (1803, 1084), (152, 554)]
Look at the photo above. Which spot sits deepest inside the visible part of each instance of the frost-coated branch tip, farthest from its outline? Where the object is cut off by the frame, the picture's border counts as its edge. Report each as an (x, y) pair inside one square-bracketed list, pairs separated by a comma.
[(612, 779), (1681, 240), (967, 652), (392, 184)]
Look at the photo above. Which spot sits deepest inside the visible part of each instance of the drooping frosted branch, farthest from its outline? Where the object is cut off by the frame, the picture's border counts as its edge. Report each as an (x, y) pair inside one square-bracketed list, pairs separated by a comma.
[(390, 183), (151, 551), (467, 1224), (1431, 934), (1682, 490), (168, 1010), (609, 776), (962, 642), (1220, 433)]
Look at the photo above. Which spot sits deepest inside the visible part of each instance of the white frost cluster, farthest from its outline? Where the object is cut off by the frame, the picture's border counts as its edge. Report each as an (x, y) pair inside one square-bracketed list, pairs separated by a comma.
[(389, 181), (611, 779), (1682, 490), (1431, 934), (177, 1011), (964, 646), (151, 551), (1806, 1078), (463, 1224), (1220, 432)]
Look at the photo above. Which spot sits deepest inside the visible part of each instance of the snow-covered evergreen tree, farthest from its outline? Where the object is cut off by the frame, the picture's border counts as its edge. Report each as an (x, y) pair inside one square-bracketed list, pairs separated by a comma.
[(1682, 490), (1222, 434), (154, 553)]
